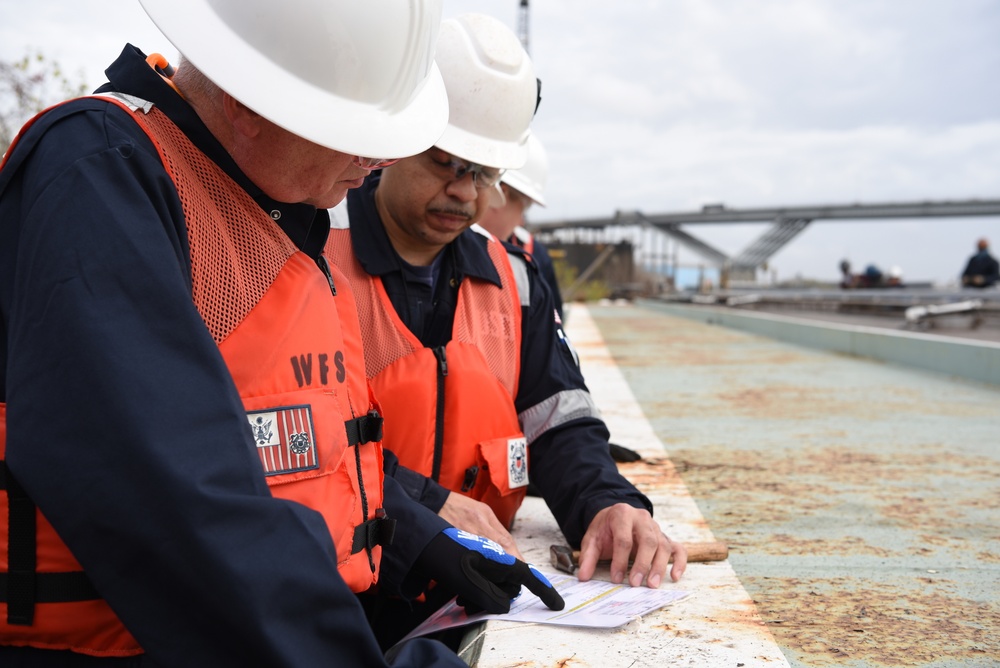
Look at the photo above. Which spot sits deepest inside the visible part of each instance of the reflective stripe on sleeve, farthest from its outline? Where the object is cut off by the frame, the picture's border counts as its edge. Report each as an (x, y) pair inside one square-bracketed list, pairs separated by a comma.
[(556, 410)]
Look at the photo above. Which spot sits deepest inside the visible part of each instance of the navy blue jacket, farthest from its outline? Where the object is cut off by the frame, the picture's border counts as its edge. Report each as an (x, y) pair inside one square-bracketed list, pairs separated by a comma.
[(124, 424), (985, 265), (540, 253), (569, 460)]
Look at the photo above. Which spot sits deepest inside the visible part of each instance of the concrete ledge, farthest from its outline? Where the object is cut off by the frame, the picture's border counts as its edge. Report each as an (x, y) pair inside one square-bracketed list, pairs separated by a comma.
[(973, 360)]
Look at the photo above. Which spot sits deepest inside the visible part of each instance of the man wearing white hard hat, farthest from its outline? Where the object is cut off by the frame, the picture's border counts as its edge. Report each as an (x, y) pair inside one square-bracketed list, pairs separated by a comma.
[(190, 453), (522, 188), (477, 380)]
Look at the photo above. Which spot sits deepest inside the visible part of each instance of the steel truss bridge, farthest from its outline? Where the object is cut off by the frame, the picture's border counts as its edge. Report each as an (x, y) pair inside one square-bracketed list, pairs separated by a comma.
[(786, 224)]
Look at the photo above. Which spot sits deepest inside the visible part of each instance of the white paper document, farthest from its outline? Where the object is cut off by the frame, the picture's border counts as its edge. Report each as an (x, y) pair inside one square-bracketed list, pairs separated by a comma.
[(592, 604)]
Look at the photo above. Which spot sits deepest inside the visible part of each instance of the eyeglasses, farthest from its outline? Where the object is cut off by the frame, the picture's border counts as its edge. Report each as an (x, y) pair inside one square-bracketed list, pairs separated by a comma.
[(483, 177), (374, 163)]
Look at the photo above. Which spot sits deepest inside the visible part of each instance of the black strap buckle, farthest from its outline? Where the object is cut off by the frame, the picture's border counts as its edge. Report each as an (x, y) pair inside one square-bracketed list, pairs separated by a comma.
[(364, 429), (469, 481), (377, 531), (21, 587)]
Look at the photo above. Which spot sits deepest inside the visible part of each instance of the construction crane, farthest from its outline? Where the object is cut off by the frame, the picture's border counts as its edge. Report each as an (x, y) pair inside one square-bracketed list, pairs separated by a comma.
[(522, 24)]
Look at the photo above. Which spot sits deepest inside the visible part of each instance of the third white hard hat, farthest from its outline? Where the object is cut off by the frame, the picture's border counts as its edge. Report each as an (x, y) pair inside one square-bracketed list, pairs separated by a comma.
[(355, 76), (532, 177), (492, 91)]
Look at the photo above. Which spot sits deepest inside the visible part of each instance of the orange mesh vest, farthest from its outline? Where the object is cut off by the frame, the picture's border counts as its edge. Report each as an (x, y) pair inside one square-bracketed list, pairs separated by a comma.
[(294, 351), (450, 410)]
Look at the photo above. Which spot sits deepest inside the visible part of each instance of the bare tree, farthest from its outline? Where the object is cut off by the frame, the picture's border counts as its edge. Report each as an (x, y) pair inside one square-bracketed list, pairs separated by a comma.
[(29, 85)]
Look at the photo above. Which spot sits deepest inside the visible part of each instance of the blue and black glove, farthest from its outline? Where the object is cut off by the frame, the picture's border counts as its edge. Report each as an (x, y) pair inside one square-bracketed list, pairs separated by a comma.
[(484, 577)]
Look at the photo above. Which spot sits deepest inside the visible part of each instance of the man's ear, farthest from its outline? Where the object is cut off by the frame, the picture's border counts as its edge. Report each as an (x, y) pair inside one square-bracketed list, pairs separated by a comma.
[(244, 120)]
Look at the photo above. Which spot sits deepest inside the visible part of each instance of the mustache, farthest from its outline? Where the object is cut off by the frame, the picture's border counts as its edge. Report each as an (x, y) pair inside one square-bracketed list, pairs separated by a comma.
[(449, 211)]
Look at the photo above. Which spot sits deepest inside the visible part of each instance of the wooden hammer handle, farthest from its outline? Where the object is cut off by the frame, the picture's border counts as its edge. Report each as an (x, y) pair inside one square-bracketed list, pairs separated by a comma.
[(714, 551)]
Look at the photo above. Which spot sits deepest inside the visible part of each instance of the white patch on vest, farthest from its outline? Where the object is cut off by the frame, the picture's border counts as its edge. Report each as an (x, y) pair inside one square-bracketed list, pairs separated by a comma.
[(517, 462), (284, 438)]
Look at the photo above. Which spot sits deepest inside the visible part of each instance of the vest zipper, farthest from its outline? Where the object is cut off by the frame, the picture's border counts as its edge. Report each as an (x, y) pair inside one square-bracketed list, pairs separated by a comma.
[(364, 503), (325, 267), (442, 371)]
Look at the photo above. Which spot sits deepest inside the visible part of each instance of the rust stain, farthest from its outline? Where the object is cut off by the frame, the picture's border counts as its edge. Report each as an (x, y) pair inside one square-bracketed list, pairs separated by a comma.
[(650, 473), (568, 662), (873, 623), (786, 401), (759, 485), (851, 480), (854, 620)]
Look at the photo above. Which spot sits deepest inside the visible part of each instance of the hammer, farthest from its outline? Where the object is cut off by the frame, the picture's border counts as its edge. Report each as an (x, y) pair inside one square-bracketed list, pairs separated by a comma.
[(566, 559)]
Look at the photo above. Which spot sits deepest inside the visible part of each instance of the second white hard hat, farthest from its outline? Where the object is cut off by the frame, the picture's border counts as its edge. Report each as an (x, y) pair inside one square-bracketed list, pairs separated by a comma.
[(357, 77), (532, 177), (492, 91)]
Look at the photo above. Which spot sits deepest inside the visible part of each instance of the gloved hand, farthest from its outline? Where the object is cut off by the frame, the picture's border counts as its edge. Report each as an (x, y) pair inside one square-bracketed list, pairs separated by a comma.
[(481, 573)]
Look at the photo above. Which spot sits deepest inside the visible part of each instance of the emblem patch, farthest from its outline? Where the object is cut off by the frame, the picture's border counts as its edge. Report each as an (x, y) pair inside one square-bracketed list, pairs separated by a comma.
[(284, 438), (517, 462)]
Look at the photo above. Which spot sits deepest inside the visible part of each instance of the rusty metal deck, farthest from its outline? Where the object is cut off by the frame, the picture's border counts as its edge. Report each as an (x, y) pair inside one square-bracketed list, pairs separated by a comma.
[(860, 500)]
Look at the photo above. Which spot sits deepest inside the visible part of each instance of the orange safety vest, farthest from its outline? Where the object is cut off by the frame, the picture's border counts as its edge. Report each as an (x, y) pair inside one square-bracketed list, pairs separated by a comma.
[(294, 352), (451, 409)]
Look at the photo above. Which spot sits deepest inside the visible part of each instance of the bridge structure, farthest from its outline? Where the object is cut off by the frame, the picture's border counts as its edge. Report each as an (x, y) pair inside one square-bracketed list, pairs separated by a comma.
[(785, 224)]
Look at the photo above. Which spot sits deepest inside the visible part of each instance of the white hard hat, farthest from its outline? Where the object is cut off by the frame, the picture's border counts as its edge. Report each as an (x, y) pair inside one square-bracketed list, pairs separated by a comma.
[(531, 179), (492, 91), (896, 272), (356, 77)]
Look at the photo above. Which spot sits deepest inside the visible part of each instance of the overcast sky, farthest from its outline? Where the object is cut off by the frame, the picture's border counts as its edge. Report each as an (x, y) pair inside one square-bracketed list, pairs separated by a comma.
[(665, 106)]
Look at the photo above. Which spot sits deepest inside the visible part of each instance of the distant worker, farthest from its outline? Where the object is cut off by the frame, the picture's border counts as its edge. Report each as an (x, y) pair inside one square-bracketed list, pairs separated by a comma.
[(522, 188), (895, 279), (847, 278), (870, 278), (982, 270)]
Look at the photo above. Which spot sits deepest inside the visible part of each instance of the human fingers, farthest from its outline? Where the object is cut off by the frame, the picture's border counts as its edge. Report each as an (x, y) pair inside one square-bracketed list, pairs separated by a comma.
[(592, 545), (540, 586), (648, 540), (622, 540), (661, 561), (590, 554), (679, 557), (477, 518)]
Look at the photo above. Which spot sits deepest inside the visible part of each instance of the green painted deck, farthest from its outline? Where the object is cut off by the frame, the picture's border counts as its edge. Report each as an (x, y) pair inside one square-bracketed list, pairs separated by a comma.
[(860, 499)]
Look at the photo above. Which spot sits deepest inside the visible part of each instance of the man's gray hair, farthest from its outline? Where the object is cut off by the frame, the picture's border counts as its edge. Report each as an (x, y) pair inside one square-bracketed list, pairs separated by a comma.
[(194, 82)]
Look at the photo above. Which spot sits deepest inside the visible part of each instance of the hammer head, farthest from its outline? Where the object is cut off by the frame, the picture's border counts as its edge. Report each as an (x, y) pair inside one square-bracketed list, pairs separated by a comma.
[(562, 558)]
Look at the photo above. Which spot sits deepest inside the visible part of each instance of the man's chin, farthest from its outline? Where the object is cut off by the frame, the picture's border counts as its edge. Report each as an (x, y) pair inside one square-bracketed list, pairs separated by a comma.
[(448, 234), (331, 199)]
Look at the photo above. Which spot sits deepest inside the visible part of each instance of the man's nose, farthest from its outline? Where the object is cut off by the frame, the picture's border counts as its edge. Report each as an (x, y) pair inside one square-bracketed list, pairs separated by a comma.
[(463, 189)]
